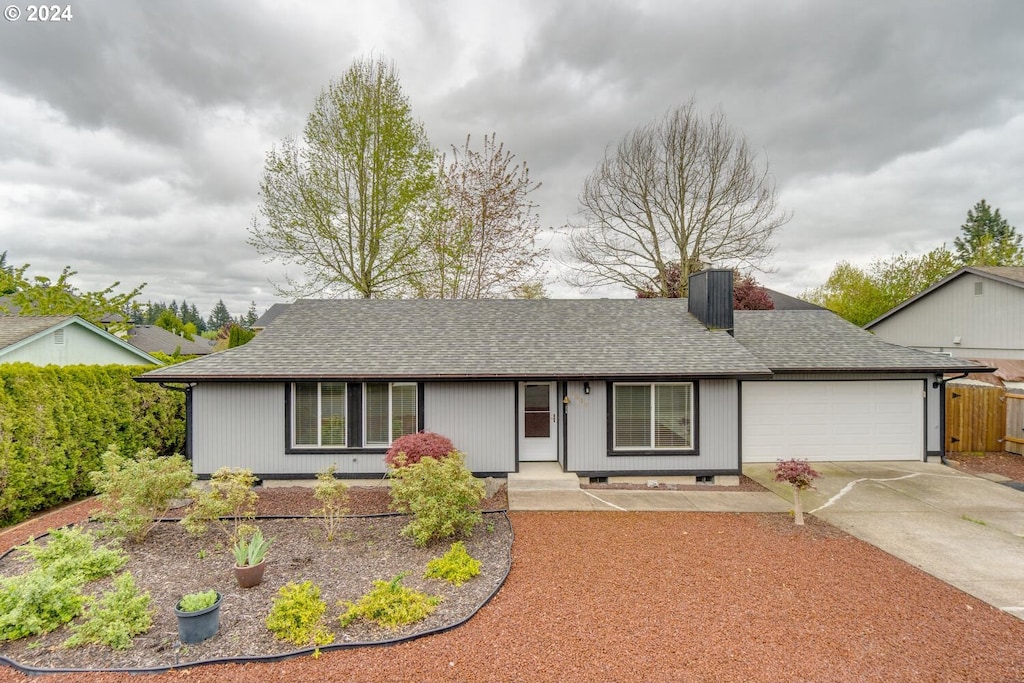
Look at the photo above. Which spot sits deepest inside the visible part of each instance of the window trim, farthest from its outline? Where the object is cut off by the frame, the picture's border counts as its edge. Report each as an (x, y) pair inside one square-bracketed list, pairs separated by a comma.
[(613, 450)]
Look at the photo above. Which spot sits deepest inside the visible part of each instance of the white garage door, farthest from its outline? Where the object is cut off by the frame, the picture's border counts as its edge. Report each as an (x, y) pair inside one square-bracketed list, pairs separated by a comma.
[(870, 420)]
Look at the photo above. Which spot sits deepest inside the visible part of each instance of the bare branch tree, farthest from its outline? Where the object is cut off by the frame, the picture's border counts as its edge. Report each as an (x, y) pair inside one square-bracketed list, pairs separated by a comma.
[(683, 191), (348, 204), (482, 241)]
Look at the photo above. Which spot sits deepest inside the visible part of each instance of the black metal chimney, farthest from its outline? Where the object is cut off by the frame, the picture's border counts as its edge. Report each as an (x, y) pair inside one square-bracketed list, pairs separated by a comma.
[(710, 299)]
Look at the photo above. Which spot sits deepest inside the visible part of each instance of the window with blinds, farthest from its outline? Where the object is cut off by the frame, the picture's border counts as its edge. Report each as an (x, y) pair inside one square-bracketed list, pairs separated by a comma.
[(318, 413), (390, 412), (653, 416)]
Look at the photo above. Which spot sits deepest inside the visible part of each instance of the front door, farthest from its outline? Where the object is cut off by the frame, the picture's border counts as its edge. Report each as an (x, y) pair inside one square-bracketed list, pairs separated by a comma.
[(538, 422)]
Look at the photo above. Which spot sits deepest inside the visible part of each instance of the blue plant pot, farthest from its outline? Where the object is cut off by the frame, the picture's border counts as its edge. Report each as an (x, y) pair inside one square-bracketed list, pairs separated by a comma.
[(195, 627)]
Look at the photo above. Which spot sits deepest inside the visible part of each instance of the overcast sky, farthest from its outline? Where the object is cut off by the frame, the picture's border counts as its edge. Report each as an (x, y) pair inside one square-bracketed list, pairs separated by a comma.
[(132, 137)]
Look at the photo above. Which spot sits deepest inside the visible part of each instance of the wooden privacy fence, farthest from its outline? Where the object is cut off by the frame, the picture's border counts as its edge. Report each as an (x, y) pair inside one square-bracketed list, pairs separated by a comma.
[(975, 418), (1014, 424)]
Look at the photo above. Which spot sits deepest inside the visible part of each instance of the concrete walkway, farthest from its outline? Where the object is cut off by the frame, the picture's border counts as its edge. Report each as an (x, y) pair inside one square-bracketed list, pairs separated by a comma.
[(965, 530), (543, 486)]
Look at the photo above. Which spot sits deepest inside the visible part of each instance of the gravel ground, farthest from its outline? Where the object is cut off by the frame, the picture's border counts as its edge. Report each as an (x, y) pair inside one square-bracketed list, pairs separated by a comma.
[(607, 596)]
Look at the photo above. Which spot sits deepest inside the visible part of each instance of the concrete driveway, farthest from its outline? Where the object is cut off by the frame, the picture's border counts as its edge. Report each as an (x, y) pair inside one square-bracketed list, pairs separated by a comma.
[(962, 529)]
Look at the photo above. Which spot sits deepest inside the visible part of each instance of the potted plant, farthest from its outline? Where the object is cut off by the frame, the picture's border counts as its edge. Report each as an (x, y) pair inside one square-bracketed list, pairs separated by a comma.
[(250, 557), (198, 616)]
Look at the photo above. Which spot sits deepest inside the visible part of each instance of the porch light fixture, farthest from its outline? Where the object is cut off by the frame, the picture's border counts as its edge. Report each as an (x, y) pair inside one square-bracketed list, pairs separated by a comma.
[(586, 387)]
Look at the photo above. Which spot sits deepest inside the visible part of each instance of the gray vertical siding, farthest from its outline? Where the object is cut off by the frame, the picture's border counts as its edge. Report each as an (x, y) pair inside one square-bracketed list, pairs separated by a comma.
[(989, 325), (479, 418), (717, 425), (242, 425)]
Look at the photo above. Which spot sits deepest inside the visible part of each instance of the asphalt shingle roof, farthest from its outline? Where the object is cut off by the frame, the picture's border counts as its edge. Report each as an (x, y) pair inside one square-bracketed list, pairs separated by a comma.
[(423, 339), (15, 328), (551, 338), (152, 338), (822, 341)]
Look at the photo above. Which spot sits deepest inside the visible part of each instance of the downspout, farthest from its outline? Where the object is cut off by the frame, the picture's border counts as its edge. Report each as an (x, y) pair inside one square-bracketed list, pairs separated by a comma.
[(188, 415), (942, 414)]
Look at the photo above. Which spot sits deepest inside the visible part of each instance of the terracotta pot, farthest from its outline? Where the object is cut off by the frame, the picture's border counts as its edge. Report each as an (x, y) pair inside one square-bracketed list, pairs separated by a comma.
[(249, 576)]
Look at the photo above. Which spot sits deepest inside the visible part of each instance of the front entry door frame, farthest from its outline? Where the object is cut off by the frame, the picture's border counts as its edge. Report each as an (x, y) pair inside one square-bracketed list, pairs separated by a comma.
[(538, 421)]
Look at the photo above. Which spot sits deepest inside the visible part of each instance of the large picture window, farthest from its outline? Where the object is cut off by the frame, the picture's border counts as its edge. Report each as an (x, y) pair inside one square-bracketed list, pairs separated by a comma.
[(653, 416), (319, 413), (340, 415)]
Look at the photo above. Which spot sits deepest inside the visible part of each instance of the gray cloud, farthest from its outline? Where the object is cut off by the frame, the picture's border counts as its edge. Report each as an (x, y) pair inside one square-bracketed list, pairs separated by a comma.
[(135, 135)]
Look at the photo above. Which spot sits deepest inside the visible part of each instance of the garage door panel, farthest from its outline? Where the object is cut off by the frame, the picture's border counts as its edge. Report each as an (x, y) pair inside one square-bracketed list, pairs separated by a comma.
[(820, 421)]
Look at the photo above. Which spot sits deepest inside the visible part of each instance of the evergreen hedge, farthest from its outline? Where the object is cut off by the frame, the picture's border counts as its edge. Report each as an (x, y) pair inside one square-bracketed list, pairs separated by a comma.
[(56, 422)]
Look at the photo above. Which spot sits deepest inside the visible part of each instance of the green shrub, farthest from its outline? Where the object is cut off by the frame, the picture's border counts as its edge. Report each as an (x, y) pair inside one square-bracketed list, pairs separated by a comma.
[(36, 603), (229, 495), (391, 605), (135, 492), (297, 615), (116, 618), (197, 602), (442, 495), (71, 554), (456, 566), (333, 494), (55, 422)]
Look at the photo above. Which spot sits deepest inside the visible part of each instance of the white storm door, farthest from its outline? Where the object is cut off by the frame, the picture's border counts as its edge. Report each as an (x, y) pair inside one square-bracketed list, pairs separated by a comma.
[(538, 422)]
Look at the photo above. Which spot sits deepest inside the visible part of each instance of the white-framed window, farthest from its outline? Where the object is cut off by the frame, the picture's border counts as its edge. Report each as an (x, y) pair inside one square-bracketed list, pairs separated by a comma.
[(389, 411), (319, 414), (653, 416)]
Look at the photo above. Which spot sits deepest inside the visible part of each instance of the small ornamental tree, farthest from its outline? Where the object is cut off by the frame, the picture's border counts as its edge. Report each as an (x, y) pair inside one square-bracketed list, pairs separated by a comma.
[(417, 446), (799, 475)]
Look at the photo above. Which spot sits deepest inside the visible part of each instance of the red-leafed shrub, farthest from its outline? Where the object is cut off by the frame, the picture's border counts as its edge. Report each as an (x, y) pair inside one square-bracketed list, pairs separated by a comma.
[(417, 446)]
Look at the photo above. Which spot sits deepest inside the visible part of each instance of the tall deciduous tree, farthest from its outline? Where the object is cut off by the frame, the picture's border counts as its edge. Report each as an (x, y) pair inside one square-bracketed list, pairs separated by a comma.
[(684, 190), (988, 239), (347, 203), (482, 239), (861, 295), (39, 295)]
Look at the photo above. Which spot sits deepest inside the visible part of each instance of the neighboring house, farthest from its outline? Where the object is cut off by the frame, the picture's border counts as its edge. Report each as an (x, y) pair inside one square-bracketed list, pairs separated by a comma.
[(64, 340), (268, 317), (650, 387), (151, 338), (977, 312), (785, 302)]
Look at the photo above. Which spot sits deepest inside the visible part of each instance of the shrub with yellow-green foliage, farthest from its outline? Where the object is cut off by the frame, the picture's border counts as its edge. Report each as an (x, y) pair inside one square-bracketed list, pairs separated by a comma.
[(116, 618), (297, 615), (50, 594), (391, 605), (135, 492), (55, 423), (456, 566), (229, 495), (442, 495), (333, 496)]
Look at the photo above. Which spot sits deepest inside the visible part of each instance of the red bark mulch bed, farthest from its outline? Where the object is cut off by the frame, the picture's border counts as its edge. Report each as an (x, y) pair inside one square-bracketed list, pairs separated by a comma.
[(612, 596), (1005, 464)]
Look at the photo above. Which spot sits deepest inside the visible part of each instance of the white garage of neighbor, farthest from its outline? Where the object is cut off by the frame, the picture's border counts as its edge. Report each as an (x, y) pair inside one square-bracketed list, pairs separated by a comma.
[(833, 420)]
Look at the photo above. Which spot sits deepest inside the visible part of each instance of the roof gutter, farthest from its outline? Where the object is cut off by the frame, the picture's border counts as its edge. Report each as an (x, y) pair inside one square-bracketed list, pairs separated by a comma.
[(942, 412)]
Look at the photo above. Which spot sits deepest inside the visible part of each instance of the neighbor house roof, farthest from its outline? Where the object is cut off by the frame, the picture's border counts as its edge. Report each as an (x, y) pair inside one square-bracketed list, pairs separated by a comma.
[(17, 331), (1010, 275), (152, 338), (821, 341), (785, 302), (551, 338), (424, 339)]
